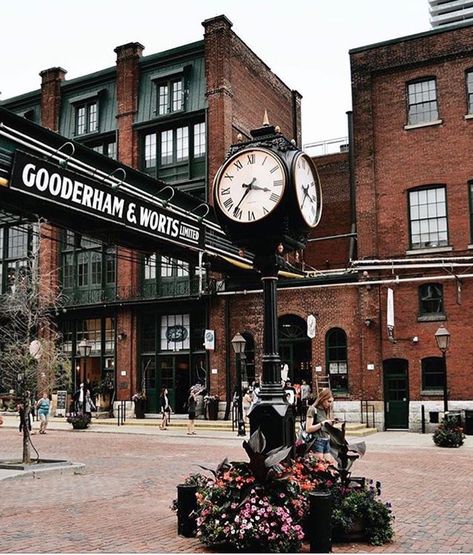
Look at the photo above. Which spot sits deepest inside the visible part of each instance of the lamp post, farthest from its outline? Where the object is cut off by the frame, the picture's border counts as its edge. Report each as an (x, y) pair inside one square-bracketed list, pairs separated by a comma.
[(442, 337), (238, 344), (84, 349)]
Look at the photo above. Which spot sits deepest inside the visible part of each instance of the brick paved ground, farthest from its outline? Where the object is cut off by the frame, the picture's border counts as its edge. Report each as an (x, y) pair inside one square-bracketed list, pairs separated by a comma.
[(121, 503)]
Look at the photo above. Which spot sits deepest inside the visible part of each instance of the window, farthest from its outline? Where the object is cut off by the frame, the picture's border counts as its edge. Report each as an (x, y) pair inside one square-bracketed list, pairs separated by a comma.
[(422, 102), (469, 91), (428, 218), (170, 96), (171, 267), (175, 332), (337, 359), (199, 140), (431, 299), (470, 193), (433, 377), (108, 148), (173, 145), (87, 118), (17, 242)]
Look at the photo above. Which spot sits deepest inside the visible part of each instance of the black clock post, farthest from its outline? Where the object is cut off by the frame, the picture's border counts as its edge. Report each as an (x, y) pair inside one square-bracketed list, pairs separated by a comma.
[(267, 198), (272, 414)]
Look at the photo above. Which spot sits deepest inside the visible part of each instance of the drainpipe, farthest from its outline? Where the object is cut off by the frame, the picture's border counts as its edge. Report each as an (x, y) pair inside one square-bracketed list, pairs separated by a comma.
[(228, 375), (351, 165)]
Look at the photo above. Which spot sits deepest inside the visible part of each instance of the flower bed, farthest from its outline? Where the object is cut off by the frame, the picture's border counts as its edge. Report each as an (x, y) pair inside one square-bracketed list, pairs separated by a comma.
[(262, 505), (449, 433)]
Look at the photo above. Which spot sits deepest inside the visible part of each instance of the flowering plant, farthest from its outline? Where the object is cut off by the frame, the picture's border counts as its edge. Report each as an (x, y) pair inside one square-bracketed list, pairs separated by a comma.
[(449, 433), (139, 396)]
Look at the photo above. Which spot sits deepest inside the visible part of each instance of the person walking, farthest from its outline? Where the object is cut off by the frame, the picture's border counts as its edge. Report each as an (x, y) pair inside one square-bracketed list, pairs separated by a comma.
[(43, 406), (319, 414), (165, 409), (89, 405), (191, 407), (305, 392)]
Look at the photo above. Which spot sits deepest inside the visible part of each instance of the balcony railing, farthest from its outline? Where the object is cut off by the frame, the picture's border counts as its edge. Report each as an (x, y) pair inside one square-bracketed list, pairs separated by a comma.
[(166, 288)]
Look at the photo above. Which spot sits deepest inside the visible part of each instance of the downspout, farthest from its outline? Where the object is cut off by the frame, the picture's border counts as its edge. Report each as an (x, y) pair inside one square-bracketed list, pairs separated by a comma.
[(296, 112), (351, 169), (228, 381)]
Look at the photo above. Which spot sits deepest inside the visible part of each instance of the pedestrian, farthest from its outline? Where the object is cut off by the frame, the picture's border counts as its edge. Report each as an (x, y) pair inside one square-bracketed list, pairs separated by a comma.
[(305, 392), (319, 414), (290, 393), (165, 409), (89, 405), (191, 407), (247, 400), (43, 406)]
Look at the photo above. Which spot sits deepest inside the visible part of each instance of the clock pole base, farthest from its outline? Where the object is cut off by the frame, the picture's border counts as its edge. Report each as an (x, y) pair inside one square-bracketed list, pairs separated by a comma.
[(276, 420)]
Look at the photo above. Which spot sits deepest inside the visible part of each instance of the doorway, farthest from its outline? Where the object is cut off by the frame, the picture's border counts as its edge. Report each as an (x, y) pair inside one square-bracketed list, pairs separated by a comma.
[(396, 394), (295, 348)]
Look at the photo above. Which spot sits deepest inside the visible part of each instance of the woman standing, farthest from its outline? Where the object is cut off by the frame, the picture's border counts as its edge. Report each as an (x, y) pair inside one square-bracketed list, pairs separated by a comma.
[(165, 409), (191, 406), (42, 406), (319, 414)]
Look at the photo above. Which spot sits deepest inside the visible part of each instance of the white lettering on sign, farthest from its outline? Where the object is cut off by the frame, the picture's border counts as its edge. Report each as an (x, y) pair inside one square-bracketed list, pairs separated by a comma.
[(75, 191), (50, 183)]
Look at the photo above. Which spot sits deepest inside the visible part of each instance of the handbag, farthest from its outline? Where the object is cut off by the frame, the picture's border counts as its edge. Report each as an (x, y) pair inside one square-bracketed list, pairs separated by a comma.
[(304, 435)]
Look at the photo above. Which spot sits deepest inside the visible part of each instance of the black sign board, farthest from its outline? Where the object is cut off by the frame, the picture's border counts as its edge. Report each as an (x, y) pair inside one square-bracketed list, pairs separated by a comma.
[(61, 403), (80, 194)]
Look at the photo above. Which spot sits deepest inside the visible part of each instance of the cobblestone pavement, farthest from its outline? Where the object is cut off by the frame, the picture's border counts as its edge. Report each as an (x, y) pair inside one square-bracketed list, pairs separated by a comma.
[(121, 503)]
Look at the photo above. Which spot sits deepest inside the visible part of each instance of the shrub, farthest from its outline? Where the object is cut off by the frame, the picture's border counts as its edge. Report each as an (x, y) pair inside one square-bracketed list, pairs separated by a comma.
[(449, 433)]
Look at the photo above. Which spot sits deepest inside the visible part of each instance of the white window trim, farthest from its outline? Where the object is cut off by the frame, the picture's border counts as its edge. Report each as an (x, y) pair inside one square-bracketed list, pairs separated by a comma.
[(423, 124), (429, 250)]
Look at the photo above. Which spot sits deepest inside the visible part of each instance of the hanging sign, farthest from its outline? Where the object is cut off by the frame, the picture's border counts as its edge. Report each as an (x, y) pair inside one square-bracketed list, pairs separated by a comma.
[(390, 313), (209, 340), (311, 326), (78, 193)]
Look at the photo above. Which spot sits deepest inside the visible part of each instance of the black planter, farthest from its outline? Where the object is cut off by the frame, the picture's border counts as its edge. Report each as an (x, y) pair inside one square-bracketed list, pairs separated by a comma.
[(212, 409), (140, 406)]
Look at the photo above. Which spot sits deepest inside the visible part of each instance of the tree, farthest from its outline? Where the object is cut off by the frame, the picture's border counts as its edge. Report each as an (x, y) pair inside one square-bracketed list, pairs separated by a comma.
[(30, 358)]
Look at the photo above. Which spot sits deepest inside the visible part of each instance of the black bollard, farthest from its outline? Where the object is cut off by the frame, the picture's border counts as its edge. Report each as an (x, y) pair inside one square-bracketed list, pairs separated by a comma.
[(186, 505), (320, 522)]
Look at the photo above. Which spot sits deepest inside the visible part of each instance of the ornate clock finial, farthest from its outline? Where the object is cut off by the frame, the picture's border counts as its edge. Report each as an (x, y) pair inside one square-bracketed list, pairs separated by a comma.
[(239, 137), (277, 129), (265, 119)]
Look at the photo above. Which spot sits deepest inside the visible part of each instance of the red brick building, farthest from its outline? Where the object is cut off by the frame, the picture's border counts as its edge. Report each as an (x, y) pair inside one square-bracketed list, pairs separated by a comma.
[(397, 216)]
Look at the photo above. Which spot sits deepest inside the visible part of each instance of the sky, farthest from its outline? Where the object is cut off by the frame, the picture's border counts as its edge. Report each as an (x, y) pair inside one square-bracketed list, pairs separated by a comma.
[(305, 42)]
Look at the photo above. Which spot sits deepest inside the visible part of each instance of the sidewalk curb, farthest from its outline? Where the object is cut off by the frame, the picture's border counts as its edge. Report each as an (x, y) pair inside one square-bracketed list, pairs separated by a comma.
[(71, 468)]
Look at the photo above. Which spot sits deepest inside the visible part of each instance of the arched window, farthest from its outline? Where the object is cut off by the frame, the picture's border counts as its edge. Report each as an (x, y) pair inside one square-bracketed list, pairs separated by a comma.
[(337, 359), (248, 369), (433, 376)]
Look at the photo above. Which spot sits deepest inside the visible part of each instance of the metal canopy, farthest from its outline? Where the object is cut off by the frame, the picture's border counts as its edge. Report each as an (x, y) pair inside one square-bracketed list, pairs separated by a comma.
[(23, 141)]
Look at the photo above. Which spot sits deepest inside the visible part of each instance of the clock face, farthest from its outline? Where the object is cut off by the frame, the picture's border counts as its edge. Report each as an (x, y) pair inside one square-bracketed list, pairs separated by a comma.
[(250, 185), (308, 192)]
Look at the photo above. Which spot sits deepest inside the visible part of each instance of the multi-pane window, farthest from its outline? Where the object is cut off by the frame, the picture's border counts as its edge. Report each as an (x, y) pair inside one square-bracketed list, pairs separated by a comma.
[(17, 243), (175, 332), (470, 193), (428, 218), (170, 96), (87, 118), (469, 91), (171, 267), (199, 140), (150, 267), (431, 298), (422, 102), (173, 146), (337, 359), (108, 148), (433, 376)]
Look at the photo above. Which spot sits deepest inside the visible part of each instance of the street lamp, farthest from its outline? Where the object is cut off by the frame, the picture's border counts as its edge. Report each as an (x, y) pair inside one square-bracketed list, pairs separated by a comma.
[(238, 344), (84, 349), (442, 337)]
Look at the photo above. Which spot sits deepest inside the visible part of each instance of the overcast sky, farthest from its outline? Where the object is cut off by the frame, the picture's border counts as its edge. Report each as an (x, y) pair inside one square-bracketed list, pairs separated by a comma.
[(305, 42)]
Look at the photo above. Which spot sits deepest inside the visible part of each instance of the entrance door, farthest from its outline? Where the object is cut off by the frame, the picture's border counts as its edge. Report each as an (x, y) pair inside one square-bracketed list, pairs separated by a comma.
[(295, 347), (396, 394), (175, 376)]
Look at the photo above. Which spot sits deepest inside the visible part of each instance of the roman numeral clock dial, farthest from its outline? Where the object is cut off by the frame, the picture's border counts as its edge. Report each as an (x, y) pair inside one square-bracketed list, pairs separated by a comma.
[(308, 191), (250, 185)]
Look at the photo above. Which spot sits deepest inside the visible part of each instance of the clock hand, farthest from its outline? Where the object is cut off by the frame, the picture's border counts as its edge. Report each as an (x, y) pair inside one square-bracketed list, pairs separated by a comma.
[(248, 188), (257, 188), (306, 194)]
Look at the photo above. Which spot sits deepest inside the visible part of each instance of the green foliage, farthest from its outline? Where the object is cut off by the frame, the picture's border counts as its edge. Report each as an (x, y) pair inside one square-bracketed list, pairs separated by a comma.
[(79, 421), (449, 433), (361, 506)]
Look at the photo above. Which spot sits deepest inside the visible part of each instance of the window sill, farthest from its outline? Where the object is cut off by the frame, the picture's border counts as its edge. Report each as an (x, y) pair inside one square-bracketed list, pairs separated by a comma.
[(432, 392), (87, 135), (469, 116), (428, 250), (424, 124), (431, 318)]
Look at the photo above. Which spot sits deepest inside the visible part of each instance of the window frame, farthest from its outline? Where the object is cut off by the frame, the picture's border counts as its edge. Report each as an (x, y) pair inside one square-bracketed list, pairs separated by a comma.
[(86, 106), (337, 389), (410, 220), (432, 389), (414, 82), (168, 84), (468, 94), (422, 309)]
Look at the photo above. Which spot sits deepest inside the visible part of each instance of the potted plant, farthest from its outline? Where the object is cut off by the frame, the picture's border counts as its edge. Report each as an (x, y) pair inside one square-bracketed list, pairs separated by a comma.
[(139, 400), (79, 421), (449, 433)]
